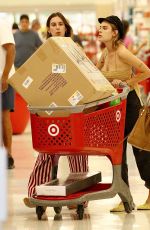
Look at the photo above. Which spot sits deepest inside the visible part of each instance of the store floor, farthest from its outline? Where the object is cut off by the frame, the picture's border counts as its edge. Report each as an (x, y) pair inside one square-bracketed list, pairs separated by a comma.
[(97, 215)]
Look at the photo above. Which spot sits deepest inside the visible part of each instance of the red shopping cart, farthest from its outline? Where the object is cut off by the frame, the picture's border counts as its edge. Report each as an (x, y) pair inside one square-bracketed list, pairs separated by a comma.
[(98, 133), (146, 85)]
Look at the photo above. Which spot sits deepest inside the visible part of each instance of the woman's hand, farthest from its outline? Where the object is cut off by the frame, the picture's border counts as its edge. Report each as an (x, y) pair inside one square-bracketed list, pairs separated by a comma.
[(4, 84), (118, 83)]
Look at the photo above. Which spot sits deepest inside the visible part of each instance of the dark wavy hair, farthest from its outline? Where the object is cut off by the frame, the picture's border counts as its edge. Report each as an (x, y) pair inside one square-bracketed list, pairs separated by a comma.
[(69, 31), (126, 26)]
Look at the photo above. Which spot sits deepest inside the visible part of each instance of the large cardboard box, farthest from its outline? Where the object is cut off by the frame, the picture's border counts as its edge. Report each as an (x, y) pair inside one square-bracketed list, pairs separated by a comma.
[(73, 183), (59, 73)]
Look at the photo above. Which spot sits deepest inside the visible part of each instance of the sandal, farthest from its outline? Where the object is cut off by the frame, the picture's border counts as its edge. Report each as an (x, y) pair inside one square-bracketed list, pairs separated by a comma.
[(27, 203), (118, 208), (145, 206)]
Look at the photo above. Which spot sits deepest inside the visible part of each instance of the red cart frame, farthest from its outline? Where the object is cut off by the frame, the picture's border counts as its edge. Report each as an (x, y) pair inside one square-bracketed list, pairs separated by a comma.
[(98, 133)]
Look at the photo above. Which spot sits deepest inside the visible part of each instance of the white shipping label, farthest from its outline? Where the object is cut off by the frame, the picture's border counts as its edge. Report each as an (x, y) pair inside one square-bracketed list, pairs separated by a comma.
[(27, 82), (75, 98), (52, 105), (58, 68)]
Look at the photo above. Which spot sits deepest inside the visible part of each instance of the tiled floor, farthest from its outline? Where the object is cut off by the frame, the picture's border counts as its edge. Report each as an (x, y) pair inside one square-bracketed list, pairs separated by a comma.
[(97, 215)]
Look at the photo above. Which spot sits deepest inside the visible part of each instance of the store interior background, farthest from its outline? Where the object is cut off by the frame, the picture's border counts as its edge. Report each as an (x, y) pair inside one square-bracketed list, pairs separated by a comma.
[(83, 15)]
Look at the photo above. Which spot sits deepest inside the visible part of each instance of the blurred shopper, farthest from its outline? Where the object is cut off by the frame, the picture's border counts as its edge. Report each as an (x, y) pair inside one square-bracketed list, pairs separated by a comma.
[(129, 42), (36, 26), (27, 41), (7, 55), (77, 40), (15, 27), (116, 63), (57, 25)]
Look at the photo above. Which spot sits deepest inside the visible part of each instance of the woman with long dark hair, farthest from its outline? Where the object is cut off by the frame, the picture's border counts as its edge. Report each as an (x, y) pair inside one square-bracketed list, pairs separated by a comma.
[(57, 25)]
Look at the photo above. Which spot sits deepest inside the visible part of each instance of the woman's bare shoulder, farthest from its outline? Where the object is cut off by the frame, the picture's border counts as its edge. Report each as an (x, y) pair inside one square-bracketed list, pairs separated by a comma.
[(121, 50), (124, 53)]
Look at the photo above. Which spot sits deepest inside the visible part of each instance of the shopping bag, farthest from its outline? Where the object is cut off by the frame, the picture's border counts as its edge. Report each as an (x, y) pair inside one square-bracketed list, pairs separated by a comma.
[(140, 134)]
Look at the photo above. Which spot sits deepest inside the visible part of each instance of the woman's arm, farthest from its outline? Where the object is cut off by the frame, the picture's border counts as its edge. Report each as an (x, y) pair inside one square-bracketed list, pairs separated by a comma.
[(135, 62), (10, 56)]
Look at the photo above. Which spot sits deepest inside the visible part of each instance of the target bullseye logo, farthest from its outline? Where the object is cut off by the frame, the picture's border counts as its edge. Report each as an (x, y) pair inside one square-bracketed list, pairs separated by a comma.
[(118, 115), (53, 130)]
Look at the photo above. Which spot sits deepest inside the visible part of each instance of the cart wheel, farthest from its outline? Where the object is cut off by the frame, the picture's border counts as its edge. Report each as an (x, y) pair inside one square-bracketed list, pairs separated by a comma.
[(40, 211), (128, 207), (80, 211), (57, 210)]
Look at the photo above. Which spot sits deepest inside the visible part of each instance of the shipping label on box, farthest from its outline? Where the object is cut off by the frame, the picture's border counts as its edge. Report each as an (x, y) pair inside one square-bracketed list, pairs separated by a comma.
[(58, 68), (75, 98), (27, 82)]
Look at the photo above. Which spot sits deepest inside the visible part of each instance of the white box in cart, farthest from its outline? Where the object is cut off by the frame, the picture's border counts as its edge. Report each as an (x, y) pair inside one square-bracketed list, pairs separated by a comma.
[(59, 73), (74, 182)]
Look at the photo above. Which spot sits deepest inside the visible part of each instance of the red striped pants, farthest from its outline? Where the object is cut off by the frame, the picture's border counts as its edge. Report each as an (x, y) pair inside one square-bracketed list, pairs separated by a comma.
[(42, 169)]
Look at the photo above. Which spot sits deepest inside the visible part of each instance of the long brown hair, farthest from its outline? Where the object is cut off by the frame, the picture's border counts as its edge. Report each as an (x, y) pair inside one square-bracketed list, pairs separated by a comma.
[(69, 31), (116, 40), (126, 26)]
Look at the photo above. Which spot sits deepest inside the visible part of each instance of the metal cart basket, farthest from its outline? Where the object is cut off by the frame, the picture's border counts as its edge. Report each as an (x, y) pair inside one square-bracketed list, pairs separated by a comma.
[(97, 133)]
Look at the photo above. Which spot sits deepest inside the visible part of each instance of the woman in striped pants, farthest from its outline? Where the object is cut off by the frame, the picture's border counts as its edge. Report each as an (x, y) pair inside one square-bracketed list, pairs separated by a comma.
[(42, 169), (57, 25)]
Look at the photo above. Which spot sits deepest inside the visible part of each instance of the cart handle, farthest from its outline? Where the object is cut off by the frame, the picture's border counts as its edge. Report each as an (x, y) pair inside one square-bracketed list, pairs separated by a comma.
[(80, 108)]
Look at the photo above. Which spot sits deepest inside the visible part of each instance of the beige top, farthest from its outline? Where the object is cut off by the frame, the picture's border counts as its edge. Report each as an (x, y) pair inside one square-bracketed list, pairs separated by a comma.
[(111, 67), (120, 75)]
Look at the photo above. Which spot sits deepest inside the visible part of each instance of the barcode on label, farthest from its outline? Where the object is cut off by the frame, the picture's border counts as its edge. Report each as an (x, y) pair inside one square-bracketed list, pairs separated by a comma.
[(27, 82), (75, 98), (58, 68)]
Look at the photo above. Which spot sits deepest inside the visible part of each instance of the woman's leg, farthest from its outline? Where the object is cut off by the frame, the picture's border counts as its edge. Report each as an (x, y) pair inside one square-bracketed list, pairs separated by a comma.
[(148, 198), (78, 163), (41, 172), (42, 169), (142, 158), (124, 165), (132, 113)]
